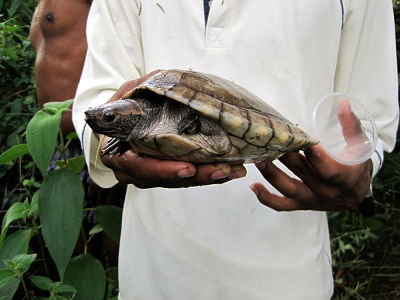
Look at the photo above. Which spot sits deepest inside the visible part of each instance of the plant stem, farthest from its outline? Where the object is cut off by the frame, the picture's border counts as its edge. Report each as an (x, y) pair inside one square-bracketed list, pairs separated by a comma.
[(18, 93), (40, 241), (63, 147), (85, 241), (21, 278)]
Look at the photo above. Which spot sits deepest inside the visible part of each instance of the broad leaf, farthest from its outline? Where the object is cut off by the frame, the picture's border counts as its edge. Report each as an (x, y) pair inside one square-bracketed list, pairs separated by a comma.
[(34, 208), (6, 275), (60, 212), (42, 282), (13, 153), (73, 135), (16, 243), (9, 289), (15, 212), (41, 135), (58, 106), (96, 229), (86, 274), (76, 163), (110, 217), (20, 262), (65, 288), (15, 4)]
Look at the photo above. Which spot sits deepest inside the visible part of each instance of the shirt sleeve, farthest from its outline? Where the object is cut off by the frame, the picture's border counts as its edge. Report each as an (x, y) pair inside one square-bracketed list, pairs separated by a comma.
[(367, 67), (114, 56)]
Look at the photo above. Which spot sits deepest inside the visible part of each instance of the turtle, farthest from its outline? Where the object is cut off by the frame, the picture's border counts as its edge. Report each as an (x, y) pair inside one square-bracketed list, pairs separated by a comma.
[(196, 117)]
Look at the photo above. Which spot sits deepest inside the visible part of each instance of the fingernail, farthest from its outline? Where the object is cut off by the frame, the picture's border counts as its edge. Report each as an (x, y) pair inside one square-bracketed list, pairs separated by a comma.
[(315, 152), (185, 173), (261, 165), (238, 174), (253, 188), (219, 174)]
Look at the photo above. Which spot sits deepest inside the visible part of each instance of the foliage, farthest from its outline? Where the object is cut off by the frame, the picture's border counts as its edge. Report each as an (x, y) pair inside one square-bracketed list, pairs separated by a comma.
[(365, 242), (57, 205), (17, 90), (41, 210)]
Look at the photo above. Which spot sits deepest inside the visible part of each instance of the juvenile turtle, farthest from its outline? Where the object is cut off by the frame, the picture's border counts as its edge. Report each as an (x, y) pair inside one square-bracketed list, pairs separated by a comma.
[(191, 116)]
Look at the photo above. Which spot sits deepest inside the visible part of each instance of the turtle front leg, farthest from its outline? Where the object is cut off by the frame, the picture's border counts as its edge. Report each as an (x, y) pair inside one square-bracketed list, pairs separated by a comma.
[(115, 146)]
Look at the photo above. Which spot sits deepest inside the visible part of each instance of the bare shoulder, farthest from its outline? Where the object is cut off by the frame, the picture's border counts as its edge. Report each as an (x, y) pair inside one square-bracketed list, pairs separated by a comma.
[(57, 16)]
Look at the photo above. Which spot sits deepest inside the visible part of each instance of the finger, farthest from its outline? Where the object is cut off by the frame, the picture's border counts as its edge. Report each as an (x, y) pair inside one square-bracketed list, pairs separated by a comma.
[(351, 126), (237, 171), (149, 168), (288, 186), (130, 85), (218, 173), (212, 172), (299, 165), (328, 169), (274, 201)]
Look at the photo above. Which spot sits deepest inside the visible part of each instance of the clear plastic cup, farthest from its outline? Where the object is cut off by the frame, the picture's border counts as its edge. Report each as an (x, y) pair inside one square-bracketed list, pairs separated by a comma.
[(345, 128)]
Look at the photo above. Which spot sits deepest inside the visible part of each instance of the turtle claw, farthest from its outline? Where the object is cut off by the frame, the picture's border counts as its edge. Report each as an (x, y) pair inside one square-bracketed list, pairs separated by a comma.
[(115, 146)]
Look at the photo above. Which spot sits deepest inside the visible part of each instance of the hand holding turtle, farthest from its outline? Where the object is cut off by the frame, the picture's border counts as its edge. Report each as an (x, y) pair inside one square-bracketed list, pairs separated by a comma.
[(147, 172), (174, 116), (324, 184)]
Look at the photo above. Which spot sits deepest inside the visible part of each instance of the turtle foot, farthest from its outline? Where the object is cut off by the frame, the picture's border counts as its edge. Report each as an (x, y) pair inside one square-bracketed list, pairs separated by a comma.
[(115, 146)]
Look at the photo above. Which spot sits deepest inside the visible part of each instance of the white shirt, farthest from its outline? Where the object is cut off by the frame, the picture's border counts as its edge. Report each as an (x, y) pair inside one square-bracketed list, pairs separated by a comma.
[(218, 241)]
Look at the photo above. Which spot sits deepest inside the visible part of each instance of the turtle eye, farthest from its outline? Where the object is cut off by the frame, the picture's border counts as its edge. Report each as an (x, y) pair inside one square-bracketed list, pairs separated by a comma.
[(109, 116)]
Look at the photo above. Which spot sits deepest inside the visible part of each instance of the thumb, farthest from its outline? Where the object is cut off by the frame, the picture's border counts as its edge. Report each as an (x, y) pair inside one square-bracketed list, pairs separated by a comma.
[(352, 130)]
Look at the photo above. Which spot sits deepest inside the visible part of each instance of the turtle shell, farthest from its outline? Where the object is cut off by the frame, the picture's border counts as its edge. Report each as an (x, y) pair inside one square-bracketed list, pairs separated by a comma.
[(255, 129)]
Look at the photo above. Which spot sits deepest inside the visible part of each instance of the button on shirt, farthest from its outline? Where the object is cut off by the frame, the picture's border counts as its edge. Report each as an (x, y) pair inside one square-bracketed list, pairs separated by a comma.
[(218, 241)]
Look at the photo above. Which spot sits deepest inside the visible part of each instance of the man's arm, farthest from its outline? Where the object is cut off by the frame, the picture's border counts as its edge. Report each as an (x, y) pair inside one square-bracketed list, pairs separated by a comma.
[(367, 70), (110, 65)]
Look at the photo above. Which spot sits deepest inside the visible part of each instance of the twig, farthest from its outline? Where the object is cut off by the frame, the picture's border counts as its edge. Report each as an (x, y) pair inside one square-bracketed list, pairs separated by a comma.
[(159, 5), (140, 9)]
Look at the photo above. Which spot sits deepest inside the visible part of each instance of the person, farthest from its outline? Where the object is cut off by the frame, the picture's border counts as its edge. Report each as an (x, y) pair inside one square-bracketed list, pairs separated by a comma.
[(59, 40), (211, 240), (58, 36)]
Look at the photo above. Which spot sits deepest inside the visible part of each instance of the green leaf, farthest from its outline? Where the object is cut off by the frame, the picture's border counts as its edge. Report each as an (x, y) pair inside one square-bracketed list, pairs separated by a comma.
[(34, 208), (96, 229), (20, 262), (13, 153), (58, 105), (9, 289), (11, 53), (42, 282), (6, 275), (64, 288), (27, 208), (16, 243), (77, 163), (60, 211), (15, 212), (15, 4), (41, 135), (110, 217), (86, 274), (58, 297), (73, 135)]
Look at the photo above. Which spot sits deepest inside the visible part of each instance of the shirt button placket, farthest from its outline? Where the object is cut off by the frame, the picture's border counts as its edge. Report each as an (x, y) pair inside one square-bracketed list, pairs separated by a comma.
[(218, 19)]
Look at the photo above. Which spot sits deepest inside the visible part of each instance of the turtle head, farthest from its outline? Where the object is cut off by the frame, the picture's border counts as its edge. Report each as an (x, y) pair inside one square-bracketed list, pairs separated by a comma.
[(115, 119)]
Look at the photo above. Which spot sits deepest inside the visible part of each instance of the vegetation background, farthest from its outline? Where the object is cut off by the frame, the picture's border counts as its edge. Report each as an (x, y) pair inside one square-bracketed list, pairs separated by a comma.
[(365, 241)]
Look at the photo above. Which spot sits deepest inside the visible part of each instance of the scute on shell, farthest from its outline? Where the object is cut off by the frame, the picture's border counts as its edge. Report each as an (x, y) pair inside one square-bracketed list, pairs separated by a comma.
[(262, 131)]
